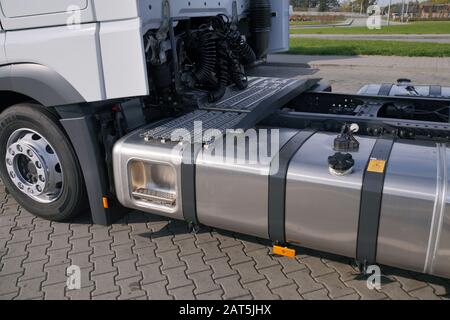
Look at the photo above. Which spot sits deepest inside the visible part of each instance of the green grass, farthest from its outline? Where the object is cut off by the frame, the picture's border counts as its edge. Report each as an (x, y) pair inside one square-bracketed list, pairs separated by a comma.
[(314, 23), (367, 47), (439, 27)]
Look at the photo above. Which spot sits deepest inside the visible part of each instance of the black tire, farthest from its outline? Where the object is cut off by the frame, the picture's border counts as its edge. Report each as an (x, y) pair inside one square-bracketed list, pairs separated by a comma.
[(72, 199)]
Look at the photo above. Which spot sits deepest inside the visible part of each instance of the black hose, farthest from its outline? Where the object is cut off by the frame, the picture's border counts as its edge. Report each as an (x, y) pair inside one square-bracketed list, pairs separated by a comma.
[(221, 53)]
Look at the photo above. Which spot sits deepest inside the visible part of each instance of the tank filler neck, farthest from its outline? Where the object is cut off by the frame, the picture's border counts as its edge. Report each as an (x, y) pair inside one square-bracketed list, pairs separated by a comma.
[(345, 141)]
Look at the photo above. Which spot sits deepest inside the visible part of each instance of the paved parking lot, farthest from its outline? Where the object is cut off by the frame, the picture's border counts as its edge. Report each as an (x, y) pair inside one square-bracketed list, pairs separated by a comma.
[(147, 257)]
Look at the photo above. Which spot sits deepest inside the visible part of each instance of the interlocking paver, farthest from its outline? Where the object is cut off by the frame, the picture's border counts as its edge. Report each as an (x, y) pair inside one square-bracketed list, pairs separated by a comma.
[(81, 244), (146, 255), (248, 272), (105, 284), (260, 290), (262, 258), (59, 242), (232, 288), (183, 293), (276, 277), (82, 259), (30, 288), (289, 264), (345, 270), (214, 295), (304, 281), (425, 293), (289, 292), (41, 238), (317, 266), (107, 296), (177, 278), (335, 286), (37, 253), (12, 265), (55, 291), (33, 269), (126, 269), (236, 254), (170, 259), (221, 268), (321, 294), (151, 273), (361, 288), (58, 257), (203, 282), (130, 288), (211, 249), (157, 290), (8, 283), (81, 294), (56, 274), (195, 263), (394, 291), (187, 246)]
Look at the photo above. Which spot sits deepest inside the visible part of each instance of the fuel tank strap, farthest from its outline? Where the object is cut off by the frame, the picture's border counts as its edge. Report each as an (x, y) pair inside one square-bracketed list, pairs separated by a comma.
[(371, 197), (435, 91), (385, 89), (188, 194), (277, 184)]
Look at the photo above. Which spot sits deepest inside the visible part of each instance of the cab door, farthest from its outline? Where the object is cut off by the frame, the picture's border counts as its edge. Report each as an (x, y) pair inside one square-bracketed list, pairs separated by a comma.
[(24, 8), (24, 14), (279, 35)]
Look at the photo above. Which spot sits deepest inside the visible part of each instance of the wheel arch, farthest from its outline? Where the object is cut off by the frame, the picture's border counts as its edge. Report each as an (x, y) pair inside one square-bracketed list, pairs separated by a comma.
[(34, 82)]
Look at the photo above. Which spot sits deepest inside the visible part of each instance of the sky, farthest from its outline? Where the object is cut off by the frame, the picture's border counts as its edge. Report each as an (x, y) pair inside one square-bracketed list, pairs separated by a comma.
[(386, 2)]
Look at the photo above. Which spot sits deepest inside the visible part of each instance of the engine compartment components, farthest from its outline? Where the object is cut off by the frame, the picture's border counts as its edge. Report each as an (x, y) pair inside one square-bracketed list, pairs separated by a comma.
[(216, 53), (260, 25)]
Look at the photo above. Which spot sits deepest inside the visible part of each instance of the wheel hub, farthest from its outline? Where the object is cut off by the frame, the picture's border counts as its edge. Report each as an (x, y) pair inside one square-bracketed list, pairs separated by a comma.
[(33, 166)]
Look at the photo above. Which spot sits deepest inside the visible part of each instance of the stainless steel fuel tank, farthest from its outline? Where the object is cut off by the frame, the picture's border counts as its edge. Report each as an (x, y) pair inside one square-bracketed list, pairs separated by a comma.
[(322, 209), (233, 195)]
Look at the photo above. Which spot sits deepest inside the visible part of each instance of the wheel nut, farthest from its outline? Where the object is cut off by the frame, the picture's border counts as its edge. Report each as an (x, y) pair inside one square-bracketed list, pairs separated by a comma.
[(12, 174), (20, 185), (29, 153), (9, 162), (19, 148), (11, 152), (38, 165), (41, 178), (38, 188)]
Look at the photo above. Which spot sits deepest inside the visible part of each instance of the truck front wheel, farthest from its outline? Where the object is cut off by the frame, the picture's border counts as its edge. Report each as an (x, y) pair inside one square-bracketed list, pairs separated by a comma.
[(38, 164)]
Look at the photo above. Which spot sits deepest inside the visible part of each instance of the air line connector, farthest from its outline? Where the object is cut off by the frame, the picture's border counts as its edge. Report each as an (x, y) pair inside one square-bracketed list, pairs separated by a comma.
[(345, 141)]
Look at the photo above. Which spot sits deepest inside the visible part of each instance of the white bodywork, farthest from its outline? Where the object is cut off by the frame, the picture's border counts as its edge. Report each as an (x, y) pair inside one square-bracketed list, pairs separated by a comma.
[(102, 55)]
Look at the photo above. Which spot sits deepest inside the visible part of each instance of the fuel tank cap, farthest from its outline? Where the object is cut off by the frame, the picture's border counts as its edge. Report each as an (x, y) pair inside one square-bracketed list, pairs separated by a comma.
[(341, 164)]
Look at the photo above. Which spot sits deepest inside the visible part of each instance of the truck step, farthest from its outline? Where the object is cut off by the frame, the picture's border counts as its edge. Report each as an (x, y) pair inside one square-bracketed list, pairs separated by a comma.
[(238, 109)]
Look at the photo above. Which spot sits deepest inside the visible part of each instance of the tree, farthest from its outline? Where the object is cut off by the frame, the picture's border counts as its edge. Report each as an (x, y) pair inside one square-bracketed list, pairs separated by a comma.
[(326, 5)]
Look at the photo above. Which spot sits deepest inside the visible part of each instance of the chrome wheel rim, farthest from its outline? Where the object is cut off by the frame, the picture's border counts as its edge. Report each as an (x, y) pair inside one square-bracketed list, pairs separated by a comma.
[(33, 166)]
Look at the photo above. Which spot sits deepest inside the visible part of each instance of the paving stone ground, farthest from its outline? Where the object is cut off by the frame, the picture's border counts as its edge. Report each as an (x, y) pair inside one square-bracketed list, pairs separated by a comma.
[(145, 256)]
